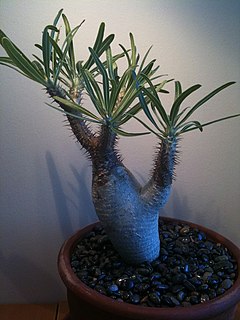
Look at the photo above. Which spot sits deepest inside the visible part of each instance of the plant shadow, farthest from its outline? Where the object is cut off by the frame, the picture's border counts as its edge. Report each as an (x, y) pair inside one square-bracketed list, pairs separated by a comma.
[(80, 199)]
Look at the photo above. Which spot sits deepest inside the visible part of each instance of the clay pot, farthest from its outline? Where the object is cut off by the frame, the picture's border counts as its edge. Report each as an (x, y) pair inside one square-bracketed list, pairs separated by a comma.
[(87, 304)]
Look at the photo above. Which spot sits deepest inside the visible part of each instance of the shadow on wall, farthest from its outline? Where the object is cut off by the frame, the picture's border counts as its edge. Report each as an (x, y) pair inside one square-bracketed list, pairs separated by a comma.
[(83, 195), (83, 207), (59, 197), (179, 207)]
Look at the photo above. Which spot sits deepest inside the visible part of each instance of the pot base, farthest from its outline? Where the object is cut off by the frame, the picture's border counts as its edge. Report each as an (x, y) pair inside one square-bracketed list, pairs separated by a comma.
[(82, 311)]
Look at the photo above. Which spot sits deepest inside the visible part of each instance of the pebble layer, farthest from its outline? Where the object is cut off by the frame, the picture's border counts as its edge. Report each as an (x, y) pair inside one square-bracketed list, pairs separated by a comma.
[(191, 269)]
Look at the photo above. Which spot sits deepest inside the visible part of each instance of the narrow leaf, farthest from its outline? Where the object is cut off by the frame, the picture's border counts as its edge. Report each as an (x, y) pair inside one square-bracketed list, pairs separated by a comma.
[(104, 77), (89, 84), (52, 34), (144, 59), (46, 49), (66, 44), (133, 49), (212, 122), (73, 114), (132, 112), (177, 103), (129, 134), (99, 37), (190, 124), (11, 65), (178, 89), (76, 107), (205, 99), (126, 54), (110, 64), (99, 46), (22, 62), (70, 46), (105, 45), (148, 127), (153, 96)]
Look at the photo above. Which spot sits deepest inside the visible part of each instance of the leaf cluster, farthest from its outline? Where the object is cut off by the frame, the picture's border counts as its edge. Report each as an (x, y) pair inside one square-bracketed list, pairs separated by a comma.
[(168, 127), (117, 97), (113, 96), (56, 66)]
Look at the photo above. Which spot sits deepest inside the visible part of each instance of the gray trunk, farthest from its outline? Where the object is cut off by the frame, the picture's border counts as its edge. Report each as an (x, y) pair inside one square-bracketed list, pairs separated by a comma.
[(130, 213), (132, 228)]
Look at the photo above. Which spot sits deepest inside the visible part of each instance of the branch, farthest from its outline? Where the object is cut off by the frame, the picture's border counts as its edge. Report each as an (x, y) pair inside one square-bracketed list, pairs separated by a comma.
[(156, 192), (79, 127)]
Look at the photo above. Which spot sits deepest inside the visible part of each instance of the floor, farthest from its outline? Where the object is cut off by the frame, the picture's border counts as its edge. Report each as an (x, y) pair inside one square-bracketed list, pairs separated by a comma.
[(56, 311)]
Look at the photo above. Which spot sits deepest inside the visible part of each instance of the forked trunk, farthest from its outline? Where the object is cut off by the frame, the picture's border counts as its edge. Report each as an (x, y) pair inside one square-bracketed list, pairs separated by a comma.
[(132, 228), (129, 213)]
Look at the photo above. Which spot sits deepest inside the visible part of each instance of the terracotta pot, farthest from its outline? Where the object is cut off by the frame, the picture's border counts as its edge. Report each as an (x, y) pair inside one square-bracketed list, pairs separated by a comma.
[(87, 304)]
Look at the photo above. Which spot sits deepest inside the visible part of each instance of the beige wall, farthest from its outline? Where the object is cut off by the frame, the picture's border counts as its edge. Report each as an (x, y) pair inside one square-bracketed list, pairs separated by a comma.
[(45, 178)]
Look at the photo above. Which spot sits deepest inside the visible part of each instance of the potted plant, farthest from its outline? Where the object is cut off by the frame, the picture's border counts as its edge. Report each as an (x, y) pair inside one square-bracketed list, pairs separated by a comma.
[(130, 231)]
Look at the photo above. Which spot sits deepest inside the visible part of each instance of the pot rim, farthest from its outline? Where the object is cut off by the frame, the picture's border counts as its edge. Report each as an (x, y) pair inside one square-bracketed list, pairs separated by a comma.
[(220, 304)]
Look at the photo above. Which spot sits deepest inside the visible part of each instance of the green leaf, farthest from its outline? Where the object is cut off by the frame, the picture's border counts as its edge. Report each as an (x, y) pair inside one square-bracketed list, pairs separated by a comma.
[(39, 66), (61, 62), (105, 45), (99, 46), (180, 114), (70, 45), (178, 89), (104, 77), (191, 124), (129, 134), (38, 59), (110, 64), (129, 96), (146, 110), (97, 91), (133, 49), (153, 96), (6, 61), (99, 37), (77, 116), (67, 42), (92, 87), (76, 107), (157, 115), (2, 36), (149, 128), (131, 112), (52, 34), (177, 103), (126, 54), (144, 59), (120, 86), (204, 100), (46, 49), (147, 70), (56, 21), (22, 62), (212, 122)]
